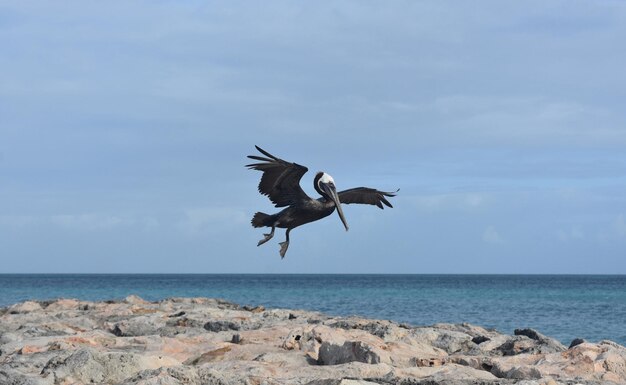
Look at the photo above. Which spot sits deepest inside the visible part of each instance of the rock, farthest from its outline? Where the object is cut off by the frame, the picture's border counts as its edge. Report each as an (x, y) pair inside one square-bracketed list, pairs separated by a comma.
[(254, 309), (236, 339), (90, 366), (517, 373), (480, 339), (530, 341), (376, 328), (349, 351), (25, 307), (548, 344), (293, 340), (210, 356), (138, 326), (135, 300), (448, 340), (13, 377), (341, 382), (207, 341), (576, 342), (30, 349), (165, 376), (221, 326), (518, 345)]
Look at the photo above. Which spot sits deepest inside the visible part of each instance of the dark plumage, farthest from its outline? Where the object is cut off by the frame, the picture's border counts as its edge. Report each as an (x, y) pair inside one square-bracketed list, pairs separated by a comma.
[(280, 182)]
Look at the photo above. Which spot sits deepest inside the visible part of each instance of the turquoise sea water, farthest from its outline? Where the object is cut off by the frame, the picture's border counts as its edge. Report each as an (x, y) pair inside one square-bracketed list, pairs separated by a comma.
[(565, 307)]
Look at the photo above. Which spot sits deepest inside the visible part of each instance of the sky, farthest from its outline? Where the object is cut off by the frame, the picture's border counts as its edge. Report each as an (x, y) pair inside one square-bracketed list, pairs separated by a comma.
[(124, 130)]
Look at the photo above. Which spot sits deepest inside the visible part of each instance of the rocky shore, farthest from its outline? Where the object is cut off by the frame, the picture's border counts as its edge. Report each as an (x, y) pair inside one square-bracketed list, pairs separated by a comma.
[(210, 341)]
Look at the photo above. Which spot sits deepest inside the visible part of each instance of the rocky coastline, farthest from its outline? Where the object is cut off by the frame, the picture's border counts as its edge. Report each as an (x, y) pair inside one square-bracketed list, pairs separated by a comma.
[(210, 341)]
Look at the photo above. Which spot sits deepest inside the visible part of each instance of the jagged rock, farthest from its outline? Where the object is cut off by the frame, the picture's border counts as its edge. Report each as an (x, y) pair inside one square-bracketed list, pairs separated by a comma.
[(90, 366), (576, 342), (138, 326), (13, 377), (25, 307), (448, 340), (547, 344), (376, 328), (341, 382), (254, 309), (529, 341), (349, 351), (293, 340), (515, 372), (480, 339), (207, 341), (135, 300), (221, 326), (236, 339)]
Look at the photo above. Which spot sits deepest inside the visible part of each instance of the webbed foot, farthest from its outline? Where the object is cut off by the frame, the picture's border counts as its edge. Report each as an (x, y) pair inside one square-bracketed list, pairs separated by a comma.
[(267, 237), (283, 248)]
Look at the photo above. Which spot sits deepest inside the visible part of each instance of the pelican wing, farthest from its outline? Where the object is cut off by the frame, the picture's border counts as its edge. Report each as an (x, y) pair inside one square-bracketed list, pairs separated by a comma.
[(367, 196), (280, 180)]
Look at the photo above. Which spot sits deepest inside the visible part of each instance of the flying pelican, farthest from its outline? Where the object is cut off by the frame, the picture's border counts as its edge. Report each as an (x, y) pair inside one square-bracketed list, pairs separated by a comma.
[(281, 183)]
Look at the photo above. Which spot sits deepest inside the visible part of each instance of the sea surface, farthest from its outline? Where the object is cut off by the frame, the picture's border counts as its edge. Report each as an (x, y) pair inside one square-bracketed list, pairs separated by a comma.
[(565, 307)]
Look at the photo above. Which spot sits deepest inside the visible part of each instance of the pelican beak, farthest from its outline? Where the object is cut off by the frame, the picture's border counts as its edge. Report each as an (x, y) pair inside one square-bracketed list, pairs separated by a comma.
[(330, 189)]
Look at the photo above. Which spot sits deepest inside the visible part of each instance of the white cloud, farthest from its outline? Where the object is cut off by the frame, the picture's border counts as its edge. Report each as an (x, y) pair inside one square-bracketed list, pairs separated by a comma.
[(491, 235), (84, 221), (90, 221), (210, 219), (18, 220), (574, 233), (436, 202)]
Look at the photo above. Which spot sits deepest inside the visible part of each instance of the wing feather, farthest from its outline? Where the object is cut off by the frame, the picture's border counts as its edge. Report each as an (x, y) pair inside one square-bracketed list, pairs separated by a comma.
[(280, 181), (366, 195)]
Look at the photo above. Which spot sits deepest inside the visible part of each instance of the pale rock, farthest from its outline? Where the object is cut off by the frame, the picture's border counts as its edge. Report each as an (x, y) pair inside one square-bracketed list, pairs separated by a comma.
[(138, 326), (293, 340), (64, 304), (447, 340), (25, 307), (135, 300), (138, 342)]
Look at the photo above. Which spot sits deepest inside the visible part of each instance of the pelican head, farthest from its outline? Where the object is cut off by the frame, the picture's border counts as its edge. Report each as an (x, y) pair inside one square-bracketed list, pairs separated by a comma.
[(325, 186)]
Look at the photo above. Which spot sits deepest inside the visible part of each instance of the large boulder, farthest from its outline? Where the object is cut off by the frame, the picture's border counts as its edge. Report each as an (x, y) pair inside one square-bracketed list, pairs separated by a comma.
[(138, 326), (91, 366), (332, 353), (530, 341)]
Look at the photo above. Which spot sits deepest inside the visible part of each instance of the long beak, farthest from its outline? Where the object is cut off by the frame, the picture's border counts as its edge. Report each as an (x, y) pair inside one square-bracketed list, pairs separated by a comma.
[(333, 195)]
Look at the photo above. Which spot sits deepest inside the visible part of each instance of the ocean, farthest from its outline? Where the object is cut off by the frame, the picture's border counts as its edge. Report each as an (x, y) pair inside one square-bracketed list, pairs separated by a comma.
[(565, 307)]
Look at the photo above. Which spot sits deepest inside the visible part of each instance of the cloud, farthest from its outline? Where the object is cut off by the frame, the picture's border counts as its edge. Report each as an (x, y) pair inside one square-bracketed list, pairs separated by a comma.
[(575, 233), (81, 222), (18, 220), (438, 202), (202, 220), (480, 113), (490, 235)]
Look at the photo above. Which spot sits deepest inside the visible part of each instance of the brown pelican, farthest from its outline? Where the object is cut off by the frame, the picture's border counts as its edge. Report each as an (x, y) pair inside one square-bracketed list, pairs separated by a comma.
[(281, 183)]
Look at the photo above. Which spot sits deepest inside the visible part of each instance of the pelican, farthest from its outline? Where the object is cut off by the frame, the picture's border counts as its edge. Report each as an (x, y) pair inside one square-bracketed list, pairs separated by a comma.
[(280, 182)]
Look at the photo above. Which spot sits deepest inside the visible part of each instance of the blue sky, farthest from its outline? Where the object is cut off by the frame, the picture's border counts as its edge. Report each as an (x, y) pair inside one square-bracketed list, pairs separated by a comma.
[(124, 128)]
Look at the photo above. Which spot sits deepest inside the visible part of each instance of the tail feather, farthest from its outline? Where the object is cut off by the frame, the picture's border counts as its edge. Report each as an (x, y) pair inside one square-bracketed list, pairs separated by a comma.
[(261, 220)]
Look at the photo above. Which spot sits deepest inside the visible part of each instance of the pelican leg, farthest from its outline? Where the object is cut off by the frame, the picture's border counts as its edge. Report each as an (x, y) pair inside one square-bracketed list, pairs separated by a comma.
[(284, 245), (267, 237)]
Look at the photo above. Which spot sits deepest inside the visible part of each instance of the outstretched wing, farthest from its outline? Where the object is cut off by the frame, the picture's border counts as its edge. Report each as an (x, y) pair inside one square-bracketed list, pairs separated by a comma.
[(280, 180), (367, 196)]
